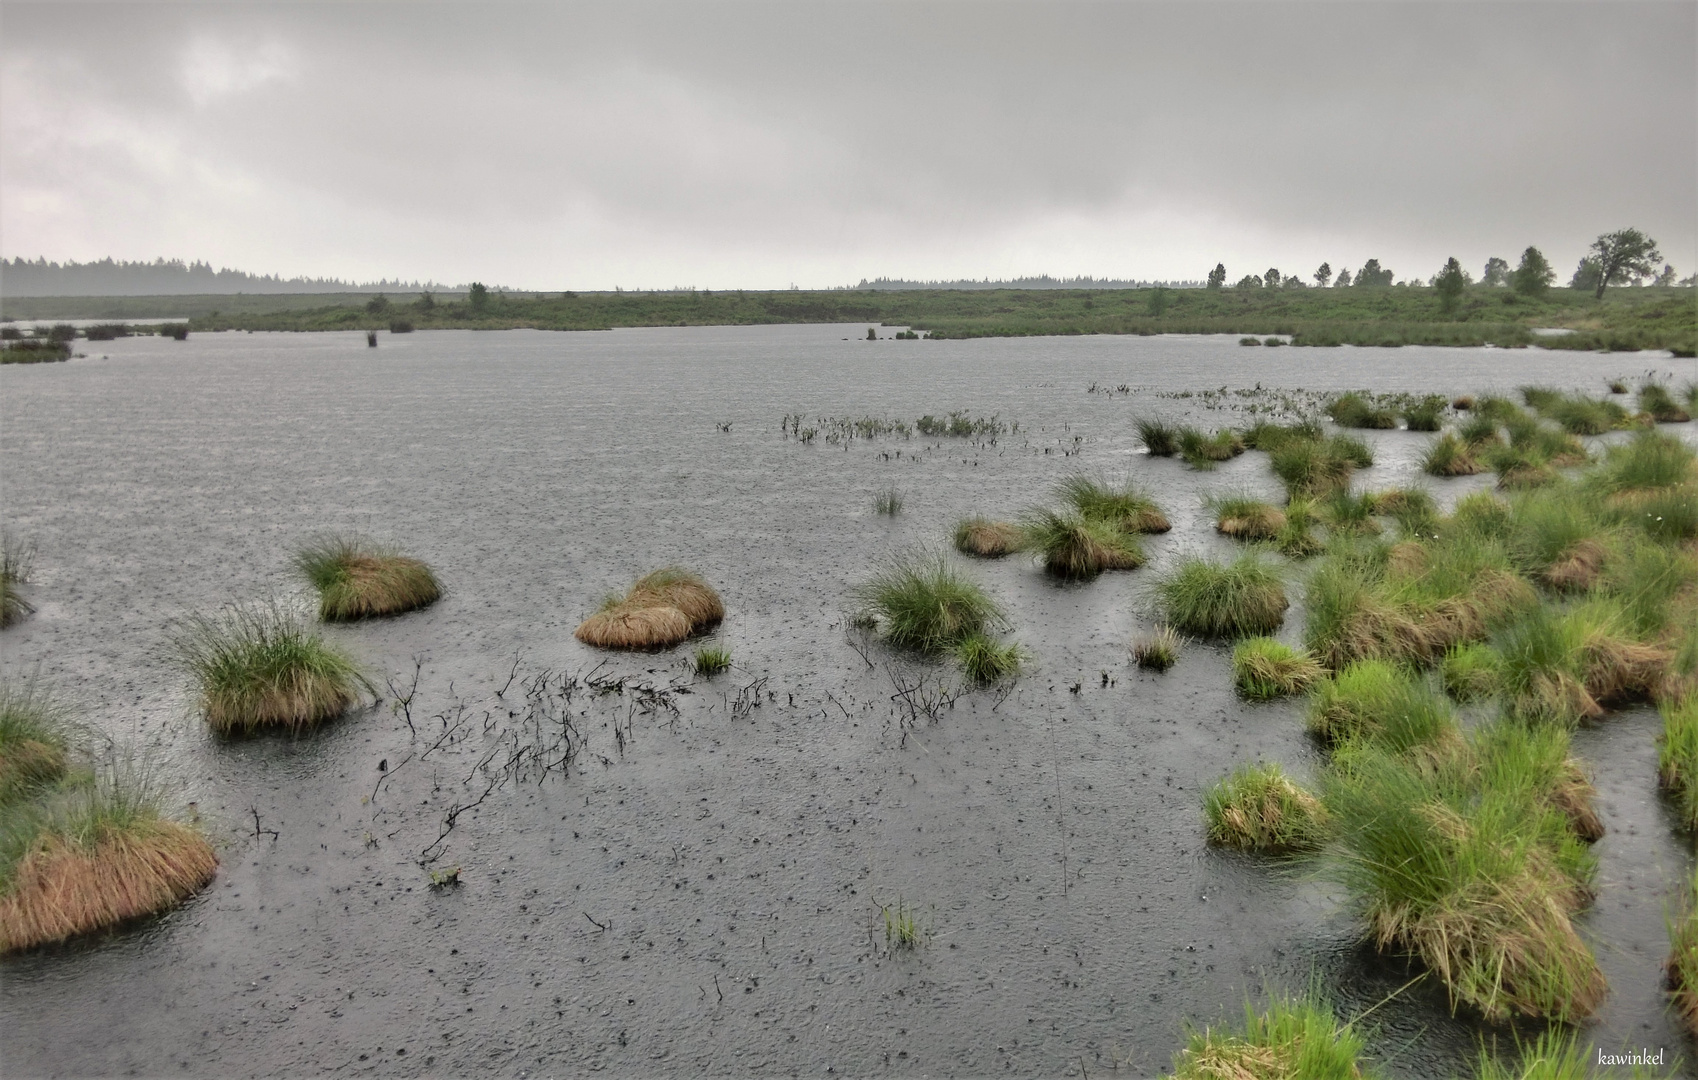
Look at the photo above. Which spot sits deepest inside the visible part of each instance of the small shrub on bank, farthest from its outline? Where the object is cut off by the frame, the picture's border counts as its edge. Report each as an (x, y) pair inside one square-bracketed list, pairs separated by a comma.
[(1258, 808), (255, 668), (1237, 599)]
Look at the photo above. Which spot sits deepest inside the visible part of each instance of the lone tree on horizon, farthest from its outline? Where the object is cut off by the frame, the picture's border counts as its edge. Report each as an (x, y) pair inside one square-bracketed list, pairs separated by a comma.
[(1535, 274), (1323, 275), (1623, 257), (1449, 285), (1217, 276)]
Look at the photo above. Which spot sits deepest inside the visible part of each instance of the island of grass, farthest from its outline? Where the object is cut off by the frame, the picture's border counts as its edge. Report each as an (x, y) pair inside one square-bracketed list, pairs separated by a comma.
[(260, 668), (81, 849), (987, 539), (1258, 808), (1237, 599), (1076, 547), (922, 604), (356, 579), (658, 611), (1293, 1037)]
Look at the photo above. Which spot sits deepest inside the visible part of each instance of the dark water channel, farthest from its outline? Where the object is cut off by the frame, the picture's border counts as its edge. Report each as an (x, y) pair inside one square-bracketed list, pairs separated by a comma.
[(701, 894)]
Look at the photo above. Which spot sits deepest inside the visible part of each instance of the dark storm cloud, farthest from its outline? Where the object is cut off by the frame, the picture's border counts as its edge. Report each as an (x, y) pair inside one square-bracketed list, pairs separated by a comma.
[(722, 145)]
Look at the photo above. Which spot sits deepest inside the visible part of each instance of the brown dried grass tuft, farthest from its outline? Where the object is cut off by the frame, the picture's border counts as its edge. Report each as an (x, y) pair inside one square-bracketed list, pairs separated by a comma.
[(678, 588), (1619, 669), (377, 585), (26, 763), (987, 539), (1407, 559), (1259, 523), (1577, 568), (629, 626), (61, 889), (1574, 796)]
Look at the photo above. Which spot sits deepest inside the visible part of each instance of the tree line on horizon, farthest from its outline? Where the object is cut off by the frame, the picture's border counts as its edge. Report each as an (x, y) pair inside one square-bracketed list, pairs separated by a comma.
[(1623, 257)]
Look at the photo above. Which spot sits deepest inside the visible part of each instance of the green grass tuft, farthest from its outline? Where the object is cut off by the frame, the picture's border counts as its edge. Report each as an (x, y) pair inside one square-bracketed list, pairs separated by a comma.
[(1352, 410), (710, 660), (260, 667), (925, 604), (33, 740), (1076, 547), (1264, 669), (1677, 761), (1161, 439), (1238, 599), (1379, 702), (16, 558), (1244, 517), (984, 660), (1125, 506), (1449, 455), (888, 502), (1470, 671), (1292, 1039), (1259, 809), (1654, 398), (1157, 650), (356, 579)]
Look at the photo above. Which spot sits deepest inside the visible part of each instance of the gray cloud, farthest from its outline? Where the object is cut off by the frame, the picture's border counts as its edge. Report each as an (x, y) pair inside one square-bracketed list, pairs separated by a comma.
[(722, 145)]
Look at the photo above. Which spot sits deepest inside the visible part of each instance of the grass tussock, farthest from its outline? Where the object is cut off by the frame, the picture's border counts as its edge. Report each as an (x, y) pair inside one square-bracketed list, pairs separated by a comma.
[(1073, 546), (256, 668), (1448, 455), (1264, 669), (888, 502), (1651, 459), (1681, 969), (1237, 599), (1677, 762), (661, 609), (923, 603), (16, 558), (985, 660), (1467, 862), (1354, 410), (1314, 468), (1158, 437), (1244, 517), (1258, 808), (1655, 399), (711, 660), (1375, 701), (987, 539), (1125, 506), (1157, 650), (91, 855), (358, 580), (1292, 1038), (1470, 671), (1205, 451), (33, 741)]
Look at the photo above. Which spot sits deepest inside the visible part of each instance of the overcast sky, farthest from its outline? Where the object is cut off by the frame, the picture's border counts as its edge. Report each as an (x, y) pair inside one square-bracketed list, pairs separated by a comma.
[(720, 145)]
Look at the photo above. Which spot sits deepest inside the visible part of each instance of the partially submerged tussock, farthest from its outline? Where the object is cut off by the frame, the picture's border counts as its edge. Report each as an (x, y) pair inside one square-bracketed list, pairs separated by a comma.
[(1378, 702), (1071, 545), (254, 668), (1124, 506), (985, 660), (15, 559), (922, 602), (660, 610), (1258, 808), (1292, 1039), (987, 539), (1243, 517), (357, 580), (1467, 862), (1157, 650), (1448, 455), (1236, 599), (33, 740), (82, 849), (1264, 669)]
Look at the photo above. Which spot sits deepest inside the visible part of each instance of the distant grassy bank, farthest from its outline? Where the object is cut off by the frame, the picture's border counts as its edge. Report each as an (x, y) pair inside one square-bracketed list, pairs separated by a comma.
[(1626, 318)]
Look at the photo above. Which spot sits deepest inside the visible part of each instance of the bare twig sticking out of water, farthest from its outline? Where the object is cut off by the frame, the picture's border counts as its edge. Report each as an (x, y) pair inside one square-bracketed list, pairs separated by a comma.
[(258, 830), (449, 823), (858, 640), (921, 697), (1060, 817), (511, 675), (403, 703), (748, 699), (600, 928)]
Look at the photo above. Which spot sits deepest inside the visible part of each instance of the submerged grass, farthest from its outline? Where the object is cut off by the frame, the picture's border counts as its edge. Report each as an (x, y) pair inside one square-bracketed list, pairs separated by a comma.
[(356, 579), (923, 603), (254, 668), (1264, 669), (1258, 808), (1237, 599)]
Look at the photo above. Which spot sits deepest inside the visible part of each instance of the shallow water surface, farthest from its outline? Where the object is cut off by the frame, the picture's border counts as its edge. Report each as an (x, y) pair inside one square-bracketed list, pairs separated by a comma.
[(702, 893)]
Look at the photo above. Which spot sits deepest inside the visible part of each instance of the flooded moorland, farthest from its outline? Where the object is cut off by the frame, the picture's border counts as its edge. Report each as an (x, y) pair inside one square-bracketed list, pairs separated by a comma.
[(664, 873)]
